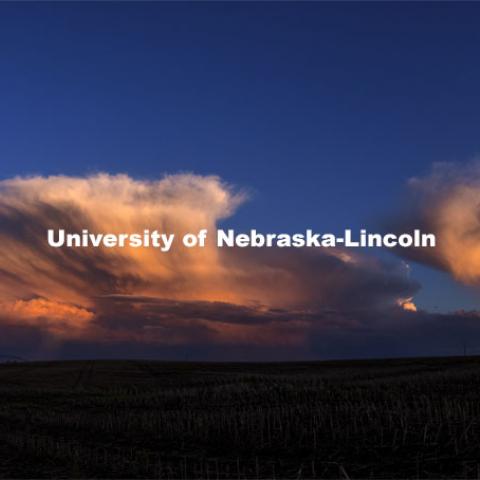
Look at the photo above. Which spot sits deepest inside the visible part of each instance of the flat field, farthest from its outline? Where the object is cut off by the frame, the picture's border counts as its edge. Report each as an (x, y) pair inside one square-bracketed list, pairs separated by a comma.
[(415, 418)]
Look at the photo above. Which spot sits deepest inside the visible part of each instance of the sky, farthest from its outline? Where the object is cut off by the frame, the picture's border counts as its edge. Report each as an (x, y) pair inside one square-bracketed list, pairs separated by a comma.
[(298, 115)]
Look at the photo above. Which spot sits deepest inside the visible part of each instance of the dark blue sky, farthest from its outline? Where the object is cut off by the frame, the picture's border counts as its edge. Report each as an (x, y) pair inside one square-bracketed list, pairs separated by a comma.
[(322, 110)]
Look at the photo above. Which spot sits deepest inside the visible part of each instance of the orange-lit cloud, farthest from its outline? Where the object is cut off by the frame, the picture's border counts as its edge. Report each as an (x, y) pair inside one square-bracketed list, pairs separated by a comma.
[(250, 296), (103, 203), (407, 304), (55, 317), (447, 203)]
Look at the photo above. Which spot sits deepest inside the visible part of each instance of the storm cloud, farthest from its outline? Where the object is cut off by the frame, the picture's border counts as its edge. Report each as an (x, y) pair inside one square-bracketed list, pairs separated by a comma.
[(205, 299)]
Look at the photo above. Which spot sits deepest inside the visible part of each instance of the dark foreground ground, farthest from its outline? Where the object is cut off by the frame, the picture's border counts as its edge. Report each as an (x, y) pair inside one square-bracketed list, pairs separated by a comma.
[(133, 419)]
